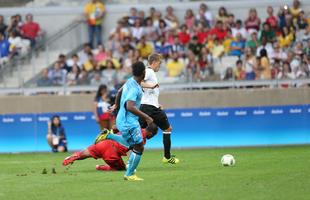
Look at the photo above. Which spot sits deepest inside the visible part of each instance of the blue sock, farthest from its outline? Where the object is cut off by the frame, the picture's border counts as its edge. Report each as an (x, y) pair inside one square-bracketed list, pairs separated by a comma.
[(133, 162), (118, 139)]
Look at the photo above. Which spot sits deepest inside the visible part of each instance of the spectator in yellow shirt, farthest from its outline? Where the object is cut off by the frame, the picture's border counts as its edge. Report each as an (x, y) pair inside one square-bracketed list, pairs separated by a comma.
[(94, 11), (228, 39), (286, 38), (218, 49), (175, 66), (145, 49)]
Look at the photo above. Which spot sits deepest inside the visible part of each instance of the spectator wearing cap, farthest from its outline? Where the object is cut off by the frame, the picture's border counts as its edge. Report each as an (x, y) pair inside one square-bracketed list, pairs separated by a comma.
[(30, 30), (94, 12), (239, 29)]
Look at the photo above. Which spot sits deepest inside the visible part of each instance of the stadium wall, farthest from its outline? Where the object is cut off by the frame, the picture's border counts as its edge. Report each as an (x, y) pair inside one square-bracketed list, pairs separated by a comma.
[(177, 99), (211, 118), (201, 127)]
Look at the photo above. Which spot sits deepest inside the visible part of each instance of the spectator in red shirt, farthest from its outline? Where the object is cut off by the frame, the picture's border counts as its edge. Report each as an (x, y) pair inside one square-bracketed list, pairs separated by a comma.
[(202, 33), (184, 36), (30, 30), (271, 19), (219, 31)]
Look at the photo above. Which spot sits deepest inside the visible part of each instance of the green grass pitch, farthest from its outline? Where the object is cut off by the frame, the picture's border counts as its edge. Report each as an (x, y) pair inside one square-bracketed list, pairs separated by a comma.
[(266, 173)]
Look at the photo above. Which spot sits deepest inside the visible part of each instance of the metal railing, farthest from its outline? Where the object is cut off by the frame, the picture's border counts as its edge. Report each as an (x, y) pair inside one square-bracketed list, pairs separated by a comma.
[(66, 90)]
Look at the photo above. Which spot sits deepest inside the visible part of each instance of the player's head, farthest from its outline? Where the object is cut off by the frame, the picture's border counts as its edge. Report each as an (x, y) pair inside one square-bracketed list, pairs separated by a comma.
[(151, 130), (102, 90), (154, 61), (138, 71)]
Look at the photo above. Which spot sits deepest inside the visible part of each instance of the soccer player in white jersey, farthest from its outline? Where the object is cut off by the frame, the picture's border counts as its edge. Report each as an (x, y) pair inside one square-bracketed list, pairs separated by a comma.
[(151, 106)]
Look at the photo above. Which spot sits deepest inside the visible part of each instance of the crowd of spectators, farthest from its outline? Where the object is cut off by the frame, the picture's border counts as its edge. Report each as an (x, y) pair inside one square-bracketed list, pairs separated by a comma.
[(17, 37), (193, 48)]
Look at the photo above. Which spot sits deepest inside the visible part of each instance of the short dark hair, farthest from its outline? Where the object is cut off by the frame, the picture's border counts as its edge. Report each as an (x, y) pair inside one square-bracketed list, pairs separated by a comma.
[(138, 68), (239, 62)]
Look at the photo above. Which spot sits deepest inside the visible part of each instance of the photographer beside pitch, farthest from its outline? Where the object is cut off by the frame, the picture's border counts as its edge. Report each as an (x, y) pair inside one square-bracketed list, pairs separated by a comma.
[(151, 106)]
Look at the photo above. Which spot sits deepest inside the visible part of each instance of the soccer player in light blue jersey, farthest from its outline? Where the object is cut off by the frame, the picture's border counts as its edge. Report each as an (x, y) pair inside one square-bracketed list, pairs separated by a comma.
[(127, 120)]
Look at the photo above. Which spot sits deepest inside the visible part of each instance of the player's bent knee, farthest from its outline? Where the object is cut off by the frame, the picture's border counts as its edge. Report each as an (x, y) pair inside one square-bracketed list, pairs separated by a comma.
[(168, 129), (139, 148)]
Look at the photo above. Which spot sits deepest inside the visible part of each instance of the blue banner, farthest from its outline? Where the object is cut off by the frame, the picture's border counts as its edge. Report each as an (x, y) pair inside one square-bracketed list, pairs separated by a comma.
[(203, 127)]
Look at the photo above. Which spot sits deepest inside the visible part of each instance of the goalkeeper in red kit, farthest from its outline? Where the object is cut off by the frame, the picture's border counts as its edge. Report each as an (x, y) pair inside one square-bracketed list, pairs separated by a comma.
[(110, 150)]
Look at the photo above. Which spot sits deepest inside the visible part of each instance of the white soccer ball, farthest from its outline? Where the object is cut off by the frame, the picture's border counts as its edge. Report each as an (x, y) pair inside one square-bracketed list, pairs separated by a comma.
[(228, 160)]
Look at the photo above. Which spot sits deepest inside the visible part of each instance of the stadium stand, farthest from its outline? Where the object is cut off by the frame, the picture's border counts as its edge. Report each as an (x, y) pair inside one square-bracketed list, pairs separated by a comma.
[(199, 44)]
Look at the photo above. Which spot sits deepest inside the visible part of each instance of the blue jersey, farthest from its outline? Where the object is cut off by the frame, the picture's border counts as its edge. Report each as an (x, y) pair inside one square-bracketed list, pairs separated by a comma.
[(132, 91)]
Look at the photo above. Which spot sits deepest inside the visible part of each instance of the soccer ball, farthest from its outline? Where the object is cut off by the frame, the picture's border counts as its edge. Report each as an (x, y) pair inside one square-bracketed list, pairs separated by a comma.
[(228, 160)]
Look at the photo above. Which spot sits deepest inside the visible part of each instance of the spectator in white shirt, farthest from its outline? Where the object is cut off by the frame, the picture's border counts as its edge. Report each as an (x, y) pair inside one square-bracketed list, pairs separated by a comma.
[(239, 29)]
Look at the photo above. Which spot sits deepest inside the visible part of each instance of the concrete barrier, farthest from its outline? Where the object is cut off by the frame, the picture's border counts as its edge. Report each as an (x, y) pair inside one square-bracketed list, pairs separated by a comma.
[(178, 99)]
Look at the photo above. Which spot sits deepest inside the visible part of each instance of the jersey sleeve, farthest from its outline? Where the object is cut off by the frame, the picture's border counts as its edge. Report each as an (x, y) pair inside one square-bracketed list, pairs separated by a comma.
[(132, 94), (147, 75)]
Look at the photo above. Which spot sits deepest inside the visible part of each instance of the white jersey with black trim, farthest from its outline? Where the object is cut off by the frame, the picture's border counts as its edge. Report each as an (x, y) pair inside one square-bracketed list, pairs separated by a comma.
[(150, 96)]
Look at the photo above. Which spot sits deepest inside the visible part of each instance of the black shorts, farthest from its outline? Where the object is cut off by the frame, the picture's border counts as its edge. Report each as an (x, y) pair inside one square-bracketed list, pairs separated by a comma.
[(159, 116)]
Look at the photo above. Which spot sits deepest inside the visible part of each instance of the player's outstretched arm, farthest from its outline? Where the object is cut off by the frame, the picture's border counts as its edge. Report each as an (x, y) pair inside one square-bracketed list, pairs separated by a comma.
[(131, 107)]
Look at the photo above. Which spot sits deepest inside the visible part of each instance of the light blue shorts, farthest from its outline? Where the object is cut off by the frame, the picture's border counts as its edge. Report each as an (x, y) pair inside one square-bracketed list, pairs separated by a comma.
[(133, 135)]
